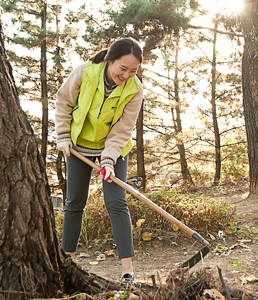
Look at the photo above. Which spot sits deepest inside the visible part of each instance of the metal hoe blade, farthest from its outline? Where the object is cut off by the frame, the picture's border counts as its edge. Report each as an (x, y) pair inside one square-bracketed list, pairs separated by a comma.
[(196, 258)]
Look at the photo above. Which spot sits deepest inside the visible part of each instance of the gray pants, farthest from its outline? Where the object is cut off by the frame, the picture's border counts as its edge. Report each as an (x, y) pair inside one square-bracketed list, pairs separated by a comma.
[(78, 181)]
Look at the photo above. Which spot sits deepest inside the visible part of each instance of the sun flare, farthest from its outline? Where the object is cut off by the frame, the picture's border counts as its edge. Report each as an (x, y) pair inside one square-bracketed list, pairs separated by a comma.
[(222, 6), (234, 5)]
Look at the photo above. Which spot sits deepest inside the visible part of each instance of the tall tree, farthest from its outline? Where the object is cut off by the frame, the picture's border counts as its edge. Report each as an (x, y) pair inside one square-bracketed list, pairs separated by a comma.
[(140, 143), (249, 21), (224, 85), (32, 264), (213, 107), (170, 49), (43, 78), (177, 120)]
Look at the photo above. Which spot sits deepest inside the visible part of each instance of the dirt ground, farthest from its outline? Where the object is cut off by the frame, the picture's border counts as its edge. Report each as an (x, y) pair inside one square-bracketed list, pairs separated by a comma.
[(236, 255)]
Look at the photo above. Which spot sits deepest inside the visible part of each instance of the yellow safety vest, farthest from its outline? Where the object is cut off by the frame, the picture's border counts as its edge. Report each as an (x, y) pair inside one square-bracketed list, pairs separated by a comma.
[(92, 117)]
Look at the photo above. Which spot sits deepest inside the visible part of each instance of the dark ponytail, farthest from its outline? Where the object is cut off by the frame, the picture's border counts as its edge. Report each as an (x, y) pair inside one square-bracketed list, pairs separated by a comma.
[(99, 56), (118, 49)]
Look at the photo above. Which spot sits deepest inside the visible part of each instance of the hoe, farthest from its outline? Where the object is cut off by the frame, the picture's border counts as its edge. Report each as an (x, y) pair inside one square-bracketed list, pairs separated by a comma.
[(194, 259)]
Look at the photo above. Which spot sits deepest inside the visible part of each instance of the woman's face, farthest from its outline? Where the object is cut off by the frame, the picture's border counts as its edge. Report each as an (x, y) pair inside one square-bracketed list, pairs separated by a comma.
[(121, 69)]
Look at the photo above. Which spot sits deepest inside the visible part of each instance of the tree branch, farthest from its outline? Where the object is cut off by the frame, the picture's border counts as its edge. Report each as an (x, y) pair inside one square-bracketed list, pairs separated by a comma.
[(233, 128), (216, 30)]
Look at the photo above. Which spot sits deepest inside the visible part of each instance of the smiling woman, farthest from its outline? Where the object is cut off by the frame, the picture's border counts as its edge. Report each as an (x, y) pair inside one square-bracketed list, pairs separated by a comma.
[(96, 111)]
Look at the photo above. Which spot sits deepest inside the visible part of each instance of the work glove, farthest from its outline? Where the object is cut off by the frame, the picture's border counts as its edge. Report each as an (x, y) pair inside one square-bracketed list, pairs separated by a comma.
[(107, 169), (65, 146)]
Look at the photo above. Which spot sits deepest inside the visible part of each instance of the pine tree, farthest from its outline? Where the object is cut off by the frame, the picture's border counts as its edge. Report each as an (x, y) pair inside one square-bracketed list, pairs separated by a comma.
[(225, 89), (32, 264), (249, 21)]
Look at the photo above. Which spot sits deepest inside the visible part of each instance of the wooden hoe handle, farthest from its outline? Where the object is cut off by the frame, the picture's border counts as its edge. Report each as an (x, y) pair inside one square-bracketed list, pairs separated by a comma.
[(147, 201)]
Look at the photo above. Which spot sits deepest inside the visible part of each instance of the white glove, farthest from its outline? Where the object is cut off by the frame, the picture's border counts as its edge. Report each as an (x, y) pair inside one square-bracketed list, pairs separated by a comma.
[(107, 169), (65, 146)]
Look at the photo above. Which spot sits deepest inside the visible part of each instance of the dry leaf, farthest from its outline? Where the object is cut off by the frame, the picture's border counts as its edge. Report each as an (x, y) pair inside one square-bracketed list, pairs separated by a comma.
[(251, 278), (174, 227), (93, 263), (212, 237), (146, 236), (227, 231), (110, 253), (133, 226), (140, 222), (213, 293)]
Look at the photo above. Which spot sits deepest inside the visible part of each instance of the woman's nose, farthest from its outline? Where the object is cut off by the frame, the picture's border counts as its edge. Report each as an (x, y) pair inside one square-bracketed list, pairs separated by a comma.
[(126, 74)]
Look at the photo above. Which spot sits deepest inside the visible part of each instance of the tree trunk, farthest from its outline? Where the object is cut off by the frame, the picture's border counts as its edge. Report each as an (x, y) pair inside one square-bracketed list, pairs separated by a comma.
[(214, 111), (249, 20), (140, 150), (31, 262), (140, 143), (30, 256), (43, 76), (59, 170), (178, 124)]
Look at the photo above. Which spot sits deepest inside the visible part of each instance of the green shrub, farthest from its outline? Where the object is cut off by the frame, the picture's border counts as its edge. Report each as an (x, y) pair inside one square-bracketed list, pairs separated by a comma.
[(198, 212)]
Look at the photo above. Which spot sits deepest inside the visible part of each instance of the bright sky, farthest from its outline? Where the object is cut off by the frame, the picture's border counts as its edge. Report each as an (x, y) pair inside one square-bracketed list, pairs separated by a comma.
[(220, 6), (211, 6)]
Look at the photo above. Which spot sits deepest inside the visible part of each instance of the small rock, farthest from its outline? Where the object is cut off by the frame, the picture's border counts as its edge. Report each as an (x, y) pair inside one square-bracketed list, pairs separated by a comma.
[(101, 257)]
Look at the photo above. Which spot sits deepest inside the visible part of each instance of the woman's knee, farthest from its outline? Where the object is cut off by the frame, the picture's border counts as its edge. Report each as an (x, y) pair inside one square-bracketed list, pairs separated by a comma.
[(76, 205), (117, 206)]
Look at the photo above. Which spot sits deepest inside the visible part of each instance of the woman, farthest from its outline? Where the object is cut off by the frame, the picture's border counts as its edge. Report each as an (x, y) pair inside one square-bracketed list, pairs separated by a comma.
[(96, 111)]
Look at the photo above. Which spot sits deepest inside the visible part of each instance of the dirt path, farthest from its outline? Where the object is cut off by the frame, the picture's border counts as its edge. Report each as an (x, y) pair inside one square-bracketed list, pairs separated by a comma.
[(236, 255)]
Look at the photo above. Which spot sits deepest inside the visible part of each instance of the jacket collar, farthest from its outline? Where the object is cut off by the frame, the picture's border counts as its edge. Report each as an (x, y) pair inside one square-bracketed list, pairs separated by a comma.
[(96, 75)]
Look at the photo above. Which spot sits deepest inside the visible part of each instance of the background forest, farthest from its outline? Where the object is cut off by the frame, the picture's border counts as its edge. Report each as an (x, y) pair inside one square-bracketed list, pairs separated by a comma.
[(196, 135), (191, 127)]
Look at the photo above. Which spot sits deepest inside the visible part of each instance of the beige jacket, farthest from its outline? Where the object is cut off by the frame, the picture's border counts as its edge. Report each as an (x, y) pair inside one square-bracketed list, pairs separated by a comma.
[(119, 134)]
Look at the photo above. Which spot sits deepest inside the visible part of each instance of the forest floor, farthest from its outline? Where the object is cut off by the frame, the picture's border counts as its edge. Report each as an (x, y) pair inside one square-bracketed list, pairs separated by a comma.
[(236, 254)]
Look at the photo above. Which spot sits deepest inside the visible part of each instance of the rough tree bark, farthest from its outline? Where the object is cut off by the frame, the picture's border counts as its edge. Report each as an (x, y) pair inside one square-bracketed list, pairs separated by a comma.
[(140, 150), (140, 143), (249, 20), (31, 262), (43, 77)]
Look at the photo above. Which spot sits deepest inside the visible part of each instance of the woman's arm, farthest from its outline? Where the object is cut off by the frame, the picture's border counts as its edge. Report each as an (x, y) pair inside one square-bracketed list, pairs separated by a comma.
[(66, 100)]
